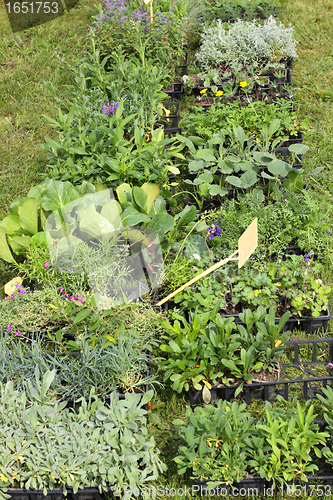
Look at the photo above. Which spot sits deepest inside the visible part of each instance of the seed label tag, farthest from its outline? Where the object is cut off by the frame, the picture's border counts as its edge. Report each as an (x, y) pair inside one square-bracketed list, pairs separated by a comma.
[(247, 243)]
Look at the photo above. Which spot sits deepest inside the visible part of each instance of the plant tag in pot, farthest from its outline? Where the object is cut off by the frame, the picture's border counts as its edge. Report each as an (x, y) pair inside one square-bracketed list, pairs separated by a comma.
[(206, 394)]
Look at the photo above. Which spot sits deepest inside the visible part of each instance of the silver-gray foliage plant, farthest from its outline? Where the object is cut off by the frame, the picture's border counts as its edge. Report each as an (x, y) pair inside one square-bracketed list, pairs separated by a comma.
[(245, 42), (44, 446)]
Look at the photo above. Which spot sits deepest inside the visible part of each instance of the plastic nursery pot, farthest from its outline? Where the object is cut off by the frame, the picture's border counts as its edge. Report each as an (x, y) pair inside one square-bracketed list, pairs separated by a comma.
[(182, 69), (308, 324), (175, 92), (293, 139), (257, 389), (171, 121), (57, 494)]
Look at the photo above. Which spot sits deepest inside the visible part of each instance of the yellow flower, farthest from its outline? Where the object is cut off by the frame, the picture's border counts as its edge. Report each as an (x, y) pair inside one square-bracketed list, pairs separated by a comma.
[(243, 84), (219, 93), (13, 474), (3, 478), (203, 91), (278, 343)]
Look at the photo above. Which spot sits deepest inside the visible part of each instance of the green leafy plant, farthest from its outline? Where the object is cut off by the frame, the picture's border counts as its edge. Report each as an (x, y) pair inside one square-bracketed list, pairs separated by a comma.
[(250, 117), (120, 365), (230, 159), (290, 285), (212, 350), (286, 219), (26, 221), (224, 445), (245, 9), (25, 313), (92, 146), (51, 443)]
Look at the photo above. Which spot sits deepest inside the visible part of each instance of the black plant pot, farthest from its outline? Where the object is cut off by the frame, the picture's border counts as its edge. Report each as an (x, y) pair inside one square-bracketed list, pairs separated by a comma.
[(57, 494)]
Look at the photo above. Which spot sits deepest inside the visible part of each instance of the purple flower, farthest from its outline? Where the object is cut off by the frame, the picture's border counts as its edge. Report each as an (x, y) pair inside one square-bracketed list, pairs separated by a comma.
[(21, 292), (214, 231), (80, 298), (12, 296), (46, 264), (17, 334), (308, 256), (9, 352), (9, 329), (61, 289), (108, 108)]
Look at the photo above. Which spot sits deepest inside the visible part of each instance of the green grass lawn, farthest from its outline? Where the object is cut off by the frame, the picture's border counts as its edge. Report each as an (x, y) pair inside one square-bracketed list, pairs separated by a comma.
[(27, 60), (48, 52)]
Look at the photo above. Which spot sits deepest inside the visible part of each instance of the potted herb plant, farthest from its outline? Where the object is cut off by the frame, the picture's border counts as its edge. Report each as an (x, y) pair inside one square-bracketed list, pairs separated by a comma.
[(50, 443), (223, 445), (213, 353)]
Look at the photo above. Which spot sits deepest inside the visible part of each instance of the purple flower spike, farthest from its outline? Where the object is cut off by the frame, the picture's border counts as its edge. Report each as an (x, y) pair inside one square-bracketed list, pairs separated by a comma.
[(214, 231), (308, 256)]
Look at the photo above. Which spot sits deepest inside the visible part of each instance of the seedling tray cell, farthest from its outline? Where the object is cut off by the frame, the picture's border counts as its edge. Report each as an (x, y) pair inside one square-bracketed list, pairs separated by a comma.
[(306, 386)]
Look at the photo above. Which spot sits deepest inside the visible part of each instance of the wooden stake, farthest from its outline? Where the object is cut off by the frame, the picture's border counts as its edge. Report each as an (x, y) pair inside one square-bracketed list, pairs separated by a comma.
[(197, 278)]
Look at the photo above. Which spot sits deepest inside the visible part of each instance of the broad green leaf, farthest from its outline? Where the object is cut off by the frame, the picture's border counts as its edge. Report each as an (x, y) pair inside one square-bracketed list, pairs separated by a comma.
[(274, 127), (124, 193), (316, 171), (188, 214), (58, 194), (279, 168), (134, 236), (205, 155), (173, 169), (263, 158), (15, 204), (140, 198), (82, 315), (248, 179), (20, 244), (39, 238), (299, 149), (28, 215), (11, 224), (77, 151), (94, 224), (162, 223), (234, 181), (5, 252), (131, 217), (195, 244), (152, 191), (204, 177), (217, 190), (111, 210)]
